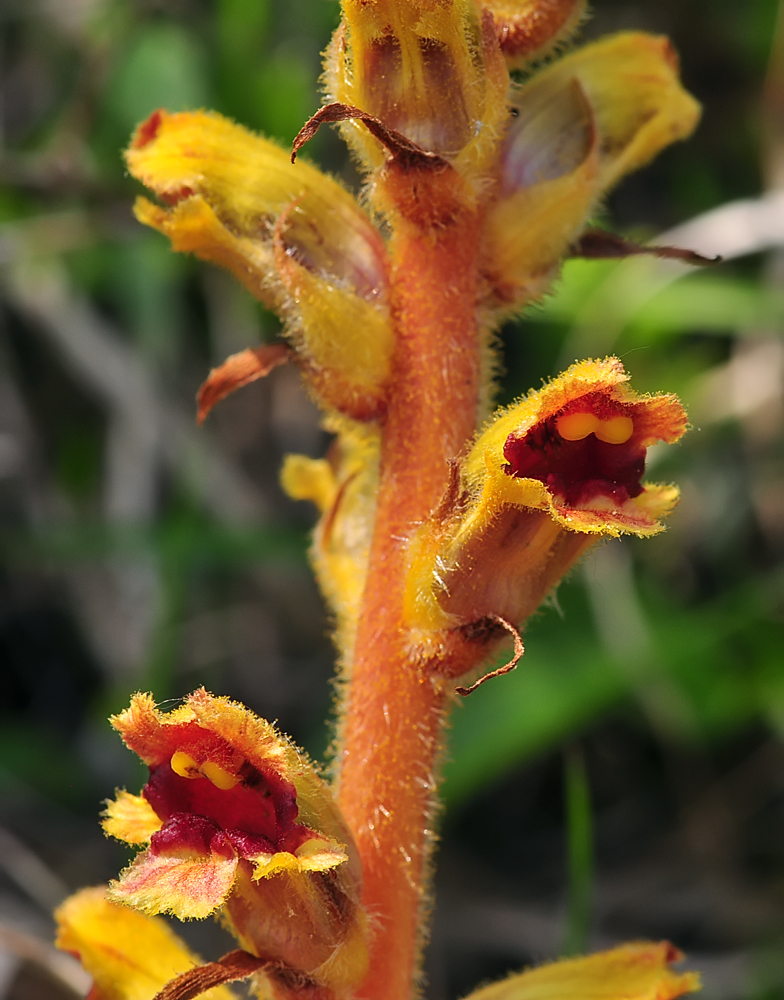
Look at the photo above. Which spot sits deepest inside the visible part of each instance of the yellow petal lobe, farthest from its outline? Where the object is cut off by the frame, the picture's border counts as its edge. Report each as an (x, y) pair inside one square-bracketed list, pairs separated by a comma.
[(130, 818), (637, 971), (190, 888), (130, 956)]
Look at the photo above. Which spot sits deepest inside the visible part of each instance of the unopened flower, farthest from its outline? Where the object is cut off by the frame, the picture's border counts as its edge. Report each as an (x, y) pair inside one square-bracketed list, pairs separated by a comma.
[(548, 478), (238, 821), (295, 238), (432, 71), (430, 80)]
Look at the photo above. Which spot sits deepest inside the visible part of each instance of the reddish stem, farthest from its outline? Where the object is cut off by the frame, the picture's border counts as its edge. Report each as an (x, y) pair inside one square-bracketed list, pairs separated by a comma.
[(393, 716)]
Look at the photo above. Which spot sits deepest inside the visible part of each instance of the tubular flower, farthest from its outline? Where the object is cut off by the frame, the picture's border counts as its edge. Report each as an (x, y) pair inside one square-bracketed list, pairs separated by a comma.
[(130, 956), (237, 821), (296, 239), (548, 478), (581, 124), (431, 71)]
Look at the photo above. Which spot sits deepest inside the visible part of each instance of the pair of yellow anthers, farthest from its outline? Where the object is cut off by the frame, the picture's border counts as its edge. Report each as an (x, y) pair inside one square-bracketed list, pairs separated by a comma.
[(183, 764), (576, 426)]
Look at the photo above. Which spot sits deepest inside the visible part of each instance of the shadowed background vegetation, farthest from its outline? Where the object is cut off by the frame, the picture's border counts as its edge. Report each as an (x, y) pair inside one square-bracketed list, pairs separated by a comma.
[(628, 780)]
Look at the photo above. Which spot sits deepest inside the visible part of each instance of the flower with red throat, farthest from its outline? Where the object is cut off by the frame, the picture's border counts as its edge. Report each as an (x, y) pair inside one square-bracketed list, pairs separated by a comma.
[(549, 477), (237, 820)]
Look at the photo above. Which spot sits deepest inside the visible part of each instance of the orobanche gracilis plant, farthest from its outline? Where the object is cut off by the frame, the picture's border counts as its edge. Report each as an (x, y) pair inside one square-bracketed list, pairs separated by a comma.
[(443, 524)]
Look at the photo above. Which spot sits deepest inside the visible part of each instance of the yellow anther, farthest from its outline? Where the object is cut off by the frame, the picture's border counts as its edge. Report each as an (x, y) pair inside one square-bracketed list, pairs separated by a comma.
[(183, 764), (616, 430), (220, 777), (576, 426)]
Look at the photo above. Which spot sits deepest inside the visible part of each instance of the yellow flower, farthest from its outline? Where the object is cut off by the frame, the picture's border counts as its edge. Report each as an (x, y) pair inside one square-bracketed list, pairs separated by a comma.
[(432, 71), (548, 478), (581, 124), (632, 972), (432, 75), (296, 239), (130, 956), (343, 488), (238, 821)]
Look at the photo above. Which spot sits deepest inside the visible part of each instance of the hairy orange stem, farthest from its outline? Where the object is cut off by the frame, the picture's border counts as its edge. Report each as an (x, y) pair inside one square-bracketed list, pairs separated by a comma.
[(393, 716)]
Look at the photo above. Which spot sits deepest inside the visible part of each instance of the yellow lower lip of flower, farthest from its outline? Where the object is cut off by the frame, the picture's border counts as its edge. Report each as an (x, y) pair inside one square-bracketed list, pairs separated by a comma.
[(599, 514)]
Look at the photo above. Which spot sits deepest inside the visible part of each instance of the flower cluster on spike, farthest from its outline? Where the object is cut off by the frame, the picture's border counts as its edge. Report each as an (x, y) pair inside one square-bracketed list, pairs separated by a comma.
[(442, 525)]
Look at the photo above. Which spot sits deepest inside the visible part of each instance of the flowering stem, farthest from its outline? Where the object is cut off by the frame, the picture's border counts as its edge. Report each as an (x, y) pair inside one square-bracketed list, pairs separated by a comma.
[(393, 713)]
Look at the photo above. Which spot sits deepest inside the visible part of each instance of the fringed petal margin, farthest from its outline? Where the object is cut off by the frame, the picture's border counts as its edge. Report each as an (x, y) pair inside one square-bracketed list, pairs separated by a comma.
[(183, 877), (130, 818)]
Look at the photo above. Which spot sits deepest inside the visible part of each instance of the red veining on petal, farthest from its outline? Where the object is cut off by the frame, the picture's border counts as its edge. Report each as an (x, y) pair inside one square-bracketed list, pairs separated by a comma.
[(148, 130)]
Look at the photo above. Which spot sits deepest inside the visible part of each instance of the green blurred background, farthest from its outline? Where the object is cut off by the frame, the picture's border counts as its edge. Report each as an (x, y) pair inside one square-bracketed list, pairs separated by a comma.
[(628, 780)]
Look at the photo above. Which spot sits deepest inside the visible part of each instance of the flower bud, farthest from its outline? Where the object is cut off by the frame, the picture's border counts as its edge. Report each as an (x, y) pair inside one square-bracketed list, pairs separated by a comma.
[(429, 69), (529, 30), (343, 488), (294, 237), (582, 123)]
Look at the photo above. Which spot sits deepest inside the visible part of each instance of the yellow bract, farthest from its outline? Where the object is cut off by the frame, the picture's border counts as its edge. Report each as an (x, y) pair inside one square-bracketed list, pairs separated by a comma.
[(623, 94), (430, 70), (129, 956)]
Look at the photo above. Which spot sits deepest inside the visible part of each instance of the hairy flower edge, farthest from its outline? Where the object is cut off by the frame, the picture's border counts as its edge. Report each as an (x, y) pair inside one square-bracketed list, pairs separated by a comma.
[(238, 821), (549, 477)]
